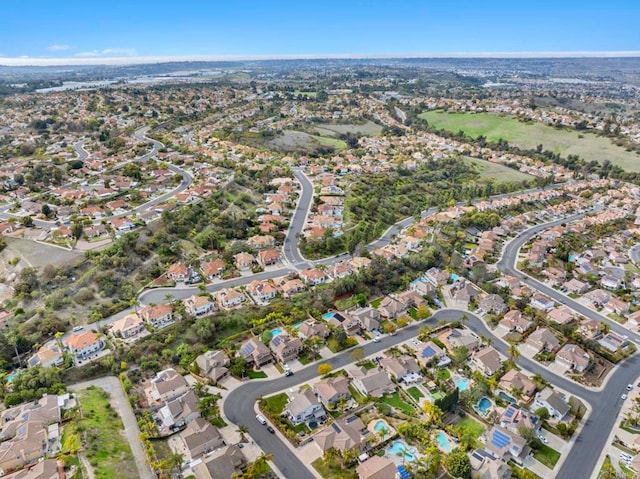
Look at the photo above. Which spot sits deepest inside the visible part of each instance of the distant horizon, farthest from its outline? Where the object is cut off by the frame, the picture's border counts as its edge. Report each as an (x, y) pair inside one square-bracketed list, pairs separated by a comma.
[(155, 59)]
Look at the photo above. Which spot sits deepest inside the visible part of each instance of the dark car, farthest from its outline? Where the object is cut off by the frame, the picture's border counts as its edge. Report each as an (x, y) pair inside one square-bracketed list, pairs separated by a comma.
[(288, 373), (271, 430)]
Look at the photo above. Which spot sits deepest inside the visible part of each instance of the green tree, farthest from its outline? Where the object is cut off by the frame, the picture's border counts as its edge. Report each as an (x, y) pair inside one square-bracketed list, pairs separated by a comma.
[(458, 464)]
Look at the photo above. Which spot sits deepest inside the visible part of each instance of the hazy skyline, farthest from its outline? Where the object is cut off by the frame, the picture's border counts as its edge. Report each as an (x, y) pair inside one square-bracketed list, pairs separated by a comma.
[(87, 32)]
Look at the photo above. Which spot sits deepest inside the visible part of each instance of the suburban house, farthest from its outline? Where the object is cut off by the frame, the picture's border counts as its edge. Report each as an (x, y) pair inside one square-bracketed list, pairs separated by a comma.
[(85, 344), (340, 319), (229, 298), (303, 406), (504, 444), (514, 321), (437, 277), (255, 352), (292, 287), (313, 329), (611, 282), (180, 411), (554, 402), (212, 269), (492, 304), (343, 434), (402, 368), (199, 438), (369, 318), (514, 380), (613, 341), (371, 382), (487, 361), (213, 365), (158, 316), (243, 261), (285, 348), (423, 287), (199, 305), (166, 386), (262, 291), (332, 390), (224, 463), (268, 257), (515, 417), (589, 328), (576, 286), (391, 308), (457, 338), (178, 272), (47, 356), (541, 302), (485, 466), (561, 315), (128, 327), (377, 467), (313, 276), (573, 357), (43, 469), (429, 353), (542, 339)]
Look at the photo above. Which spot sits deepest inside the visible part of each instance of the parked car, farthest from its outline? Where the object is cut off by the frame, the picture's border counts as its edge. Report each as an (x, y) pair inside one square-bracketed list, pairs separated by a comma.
[(270, 429), (261, 419)]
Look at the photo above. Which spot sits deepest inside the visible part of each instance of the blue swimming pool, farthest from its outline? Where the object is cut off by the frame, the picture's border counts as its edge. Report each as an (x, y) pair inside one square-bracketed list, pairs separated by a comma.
[(399, 448), (443, 442), (276, 332), (381, 426), (484, 404), (297, 325), (462, 383), (455, 277), (328, 316), (506, 397)]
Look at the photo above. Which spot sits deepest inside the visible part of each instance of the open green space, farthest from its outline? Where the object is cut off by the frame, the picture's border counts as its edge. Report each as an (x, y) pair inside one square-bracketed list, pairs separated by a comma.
[(333, 470), (415, 393), (529, 135), (291, 141), (394, 400), (547, 456), (251, 374), (469, 425), (274, 405), (496, 171), (106, 449), (368, 128)]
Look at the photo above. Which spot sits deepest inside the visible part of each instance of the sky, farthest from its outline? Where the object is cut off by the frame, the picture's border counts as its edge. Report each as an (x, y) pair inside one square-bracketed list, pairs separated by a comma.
[(91, 31)]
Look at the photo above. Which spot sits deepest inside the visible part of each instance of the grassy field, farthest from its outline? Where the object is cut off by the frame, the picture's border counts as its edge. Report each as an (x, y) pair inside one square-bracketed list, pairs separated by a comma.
[(529, 135), (106, 448), (496, 171), (471, 426), (292, 140), (368, 128)]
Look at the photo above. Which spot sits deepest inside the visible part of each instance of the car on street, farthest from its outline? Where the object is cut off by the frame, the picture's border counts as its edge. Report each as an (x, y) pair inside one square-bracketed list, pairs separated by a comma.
[(271, 430), (629, 387), (623, 397), (261, 419), (288, 373)]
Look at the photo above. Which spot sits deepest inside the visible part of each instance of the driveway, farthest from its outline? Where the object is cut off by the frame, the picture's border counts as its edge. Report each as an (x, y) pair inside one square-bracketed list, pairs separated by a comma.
[(120, 403)]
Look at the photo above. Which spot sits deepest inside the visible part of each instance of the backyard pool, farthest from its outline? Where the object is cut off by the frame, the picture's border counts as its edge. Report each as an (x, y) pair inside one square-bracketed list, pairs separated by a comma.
[(297, 325), (462, 383), (399, 448), (484, 405), (444, 443), (506, 397), (382, 426), (276, 332), (328, 316), (454, 277)]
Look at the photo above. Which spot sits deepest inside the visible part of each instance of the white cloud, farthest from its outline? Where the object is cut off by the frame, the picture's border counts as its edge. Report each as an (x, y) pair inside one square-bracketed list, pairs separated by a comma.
[(56, 47), (107, 52)]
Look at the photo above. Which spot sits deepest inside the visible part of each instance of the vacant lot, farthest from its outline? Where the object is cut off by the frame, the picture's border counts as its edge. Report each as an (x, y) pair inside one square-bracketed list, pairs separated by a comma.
[(300, 141), (496, 171), (368, 128), (530, 135), (106, 448)]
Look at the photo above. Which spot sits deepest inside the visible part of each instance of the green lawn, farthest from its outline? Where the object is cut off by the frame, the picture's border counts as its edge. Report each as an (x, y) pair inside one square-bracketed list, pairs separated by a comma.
[(274, 405), (367, 128), (496, 171), (444, 374), (529, 135), (395, 401), (251, 374), (376, 302), (333, 470), (415, 393), (471, 426), (108, 452), (547, 456), (360, 399)]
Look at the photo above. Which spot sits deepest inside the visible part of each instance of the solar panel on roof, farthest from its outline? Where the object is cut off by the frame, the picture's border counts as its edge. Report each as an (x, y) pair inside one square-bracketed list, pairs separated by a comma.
[(247, 349), (510, 412), (499, 439), (477, 456), (428, 352), (336, 428)]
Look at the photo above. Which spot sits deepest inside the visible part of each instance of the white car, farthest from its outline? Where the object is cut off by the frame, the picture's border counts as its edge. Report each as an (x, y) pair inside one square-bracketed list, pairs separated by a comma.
[(629, 387), (623, 397), (543, 439)]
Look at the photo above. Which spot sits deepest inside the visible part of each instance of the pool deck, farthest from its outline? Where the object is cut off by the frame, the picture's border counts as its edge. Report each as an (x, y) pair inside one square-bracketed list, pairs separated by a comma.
[(392, 432)]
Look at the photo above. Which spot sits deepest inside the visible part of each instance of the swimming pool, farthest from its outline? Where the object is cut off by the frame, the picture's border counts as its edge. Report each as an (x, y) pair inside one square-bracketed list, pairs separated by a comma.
[(484, 404), (399, 448), (297, 325), (443, 442), (328, 316), (381, 426), (506, 397), (276, 332), (462, 383), (455, 277)]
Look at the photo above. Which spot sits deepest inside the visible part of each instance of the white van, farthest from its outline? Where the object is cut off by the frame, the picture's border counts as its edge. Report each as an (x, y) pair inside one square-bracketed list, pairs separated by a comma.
[(261, 419)]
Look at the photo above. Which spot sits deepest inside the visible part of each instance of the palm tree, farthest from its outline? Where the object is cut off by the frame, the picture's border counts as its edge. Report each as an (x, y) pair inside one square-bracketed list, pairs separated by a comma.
[(513, 351), (242, 430)]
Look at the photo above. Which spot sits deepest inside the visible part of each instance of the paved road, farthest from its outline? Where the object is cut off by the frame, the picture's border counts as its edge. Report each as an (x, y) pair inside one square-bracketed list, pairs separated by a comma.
[(634, 254), (290, 248), (80, 151), (120, 403), (605, 404)]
